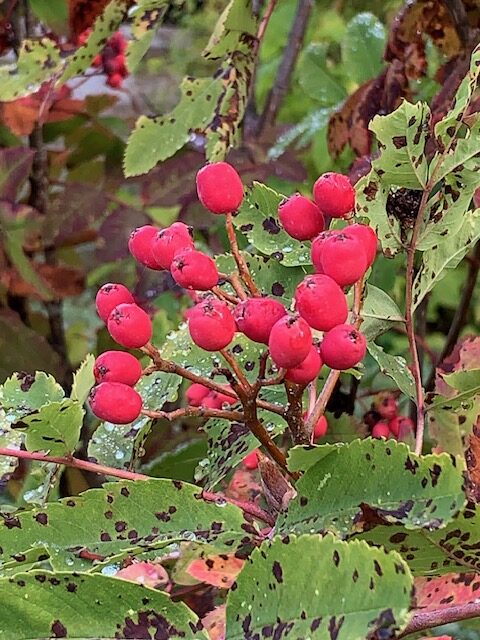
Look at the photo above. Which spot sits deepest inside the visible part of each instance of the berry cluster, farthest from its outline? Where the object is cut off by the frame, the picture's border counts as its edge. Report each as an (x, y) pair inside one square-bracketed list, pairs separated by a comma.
[(111, 60), (385, 421), (200, 396)]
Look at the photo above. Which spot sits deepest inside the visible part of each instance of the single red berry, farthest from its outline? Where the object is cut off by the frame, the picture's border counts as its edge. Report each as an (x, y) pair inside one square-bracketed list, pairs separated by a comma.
[(308, 369), (224, 399), (255, 317), (343, 259), (170, 241), (211, 324), (115, 80), (250, 461), (118, 42), (97, 61), (334, 195), (401, 426), (300, 217), (194, 270), (343, 347), (381, 430), (110, 296), (211, 401), (368, 238), (321, 428), (117, 366), (386, 405), (290, 341), (140, 245), (196, 393), (130, 326), (219, 188), (115, 65), (115, 402), (321, 302), (317, 245)]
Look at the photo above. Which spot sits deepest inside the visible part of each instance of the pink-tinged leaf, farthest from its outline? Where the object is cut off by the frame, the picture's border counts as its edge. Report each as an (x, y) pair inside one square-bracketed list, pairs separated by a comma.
[(214, 623), (437, 638), (243, 486), (146, 573), (219, 571), (15, 166), (446, 591)]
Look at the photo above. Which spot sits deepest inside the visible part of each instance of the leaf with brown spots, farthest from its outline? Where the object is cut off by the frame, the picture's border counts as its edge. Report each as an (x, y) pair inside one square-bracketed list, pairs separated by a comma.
[(146, 573), (219, 571), (449, 590), (214, 623)]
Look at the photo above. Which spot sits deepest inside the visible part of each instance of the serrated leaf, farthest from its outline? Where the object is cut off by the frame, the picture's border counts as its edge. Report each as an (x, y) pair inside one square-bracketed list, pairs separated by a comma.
[(463, 151), (83, 380), (402, 137), (178, 463), (400, 487), (363, 46), (378, 304), (73, 605), (9, 439), (377, 597), (38, 61), (147, 16), (316, 79), (22, 393), (120, 518), (396, 368), (444, 428), (55, 428), (15, 166), (258, 220), (112, 445), (158, 388), (234, 31)]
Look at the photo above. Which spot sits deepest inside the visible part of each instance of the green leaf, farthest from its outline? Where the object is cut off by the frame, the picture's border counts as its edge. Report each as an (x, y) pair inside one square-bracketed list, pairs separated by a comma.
[(112, 445), (394, 367), (115, 519), (22, 393), (9, 439), (258, 220), (402, 137), (53, 13), (397, 485), (316, 79), (363, 46), (55, 428), (444, 428), (446, 254), (38, 61), (106, 24), (294, 583), (83, 380), (378, 304), (158, 388), (73, 605), (463, 151), (234, 30), (178, 463), (147, 16)]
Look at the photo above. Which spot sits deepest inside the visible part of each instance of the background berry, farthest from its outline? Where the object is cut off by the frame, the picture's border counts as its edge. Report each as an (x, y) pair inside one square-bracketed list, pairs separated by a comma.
[(381, 430), (196, 393), (250, 461)]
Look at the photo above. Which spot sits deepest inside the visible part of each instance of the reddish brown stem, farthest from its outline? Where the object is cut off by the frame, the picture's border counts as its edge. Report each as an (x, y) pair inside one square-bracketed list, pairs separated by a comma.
[(247, 507), (262, 27), (195, 412), (223, 295), (241, 264), (430, 619), (233, 364), (236, 284)]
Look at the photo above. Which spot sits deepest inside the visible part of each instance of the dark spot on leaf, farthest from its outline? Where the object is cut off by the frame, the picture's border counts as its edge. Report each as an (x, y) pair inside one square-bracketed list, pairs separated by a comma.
[(58, 630), (277, 571)]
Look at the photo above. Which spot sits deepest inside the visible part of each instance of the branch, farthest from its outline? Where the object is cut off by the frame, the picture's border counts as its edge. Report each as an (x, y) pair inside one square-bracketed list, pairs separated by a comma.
[(287, 65), (262, 27), (247, 507), (195, 412), (223, 295), (294, 413), (430, 619), (236, 284), (239, 259), (230, 360)]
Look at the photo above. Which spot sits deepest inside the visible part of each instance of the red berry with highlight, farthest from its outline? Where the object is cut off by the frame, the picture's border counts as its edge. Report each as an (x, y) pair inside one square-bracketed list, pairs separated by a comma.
[(300, 217), (194, 270), (211, 324), (343, 347), (115, 402), (317, 246), (130, 326), (219, 188), (381, 430), (110, 296), (308, 369), (196, 393), (290, 341), (321, 428), (401, 426), (170, 241), (368, 239), (343, 259), (117, 366), (321, 302), (255, 317), (334, 195), (140, 245), (250, 461), (115, 80)]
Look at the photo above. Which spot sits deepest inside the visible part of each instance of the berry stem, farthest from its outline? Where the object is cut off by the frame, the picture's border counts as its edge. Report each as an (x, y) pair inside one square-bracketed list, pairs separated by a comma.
[(241, 264), (430, 619), (200, 412), (294, 414), (233, 364), (223, 295), (236, 284), (247, 507)]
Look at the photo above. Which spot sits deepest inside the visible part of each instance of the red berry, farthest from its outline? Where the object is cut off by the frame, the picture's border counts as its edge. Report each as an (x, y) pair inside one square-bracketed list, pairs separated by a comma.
[(300, 217), (130, 326), (320, 429), (381, 430), (115, 402), (117, 366), (308, 369), (343, 259), (196, 393), (343, 347), (211, 401), (194, 270), (401, 426), (219, 188), (97, 61), (368, 238), (110, 296), (118, 42), (224, 399), (255, 317), (334, 195), (290, 341), (317, 246), (211, 324), (170, 241), (140, 245), (386, 405), (115, 80), (321, 302), (250, 461)]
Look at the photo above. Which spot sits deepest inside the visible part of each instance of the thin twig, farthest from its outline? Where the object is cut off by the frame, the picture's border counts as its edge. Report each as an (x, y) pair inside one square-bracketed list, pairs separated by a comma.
[(235, 367), (265, 20), (223, 295), (239, 259), (294, 414), (430, 619), (195, 412), (247, 507), (236, 284)]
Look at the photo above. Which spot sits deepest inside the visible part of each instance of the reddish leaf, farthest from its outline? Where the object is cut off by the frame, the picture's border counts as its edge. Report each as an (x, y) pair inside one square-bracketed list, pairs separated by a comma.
[(117, 227), (446, 591), (215, 623), (219, 571), (244, 486), (63, 281), (83, 13), (472, 457), (15, 166), (146, 573)]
